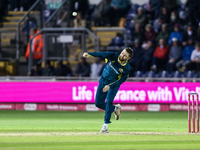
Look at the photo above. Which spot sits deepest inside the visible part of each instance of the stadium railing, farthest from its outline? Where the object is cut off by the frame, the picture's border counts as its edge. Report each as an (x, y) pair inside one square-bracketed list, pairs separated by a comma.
[(83, 32), (131, 79)]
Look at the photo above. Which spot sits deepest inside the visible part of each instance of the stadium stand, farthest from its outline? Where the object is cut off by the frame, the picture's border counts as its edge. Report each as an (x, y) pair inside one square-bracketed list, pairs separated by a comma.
[(159, 19)]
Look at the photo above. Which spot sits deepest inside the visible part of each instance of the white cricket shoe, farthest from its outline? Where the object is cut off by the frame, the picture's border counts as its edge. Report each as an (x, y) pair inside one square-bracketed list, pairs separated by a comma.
[(104, 129), (117, 111)]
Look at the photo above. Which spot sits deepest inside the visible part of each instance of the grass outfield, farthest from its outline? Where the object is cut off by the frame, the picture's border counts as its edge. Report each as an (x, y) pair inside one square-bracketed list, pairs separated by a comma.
[(20, 130)]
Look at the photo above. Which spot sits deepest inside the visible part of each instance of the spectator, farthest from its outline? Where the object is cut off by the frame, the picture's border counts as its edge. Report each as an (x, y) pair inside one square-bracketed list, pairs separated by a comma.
[(164, 16), (138, 33), (62, 15), (155, 8), (140, 18), (174, 55), (117, 9), (173, 20), (35, 71), (150, 34), (138, 52), (117, 41), (37, 45), (160, 56), (188, 34), (193, 9), (100, 11), (163, 34), (195, 58), (61, 69), (79, 22), (198, 33), (48, 70), (82, 69), (146, 58), (76, 7), (171, 5), (68, 69), (186, 54), (176, 34), (183, 17), (96, 68)]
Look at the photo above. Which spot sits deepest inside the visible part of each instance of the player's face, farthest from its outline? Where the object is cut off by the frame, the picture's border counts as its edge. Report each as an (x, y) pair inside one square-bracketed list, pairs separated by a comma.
[(124, 56)]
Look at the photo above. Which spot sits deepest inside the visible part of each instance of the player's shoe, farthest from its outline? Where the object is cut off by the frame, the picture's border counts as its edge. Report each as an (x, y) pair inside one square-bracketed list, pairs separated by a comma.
[(104, 129), (117, 111)]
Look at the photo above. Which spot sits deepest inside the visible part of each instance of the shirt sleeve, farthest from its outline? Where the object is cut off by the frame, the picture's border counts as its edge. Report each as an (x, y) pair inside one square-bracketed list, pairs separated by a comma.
[(108, 55)]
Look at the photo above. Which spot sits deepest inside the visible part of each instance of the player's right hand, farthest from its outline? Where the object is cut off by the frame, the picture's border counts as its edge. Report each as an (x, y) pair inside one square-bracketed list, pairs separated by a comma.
[(106, 88), (86, 55)]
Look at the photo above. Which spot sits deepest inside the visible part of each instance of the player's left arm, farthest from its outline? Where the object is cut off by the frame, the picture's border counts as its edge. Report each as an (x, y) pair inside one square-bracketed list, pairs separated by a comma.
[(119, 81), (116, 83)]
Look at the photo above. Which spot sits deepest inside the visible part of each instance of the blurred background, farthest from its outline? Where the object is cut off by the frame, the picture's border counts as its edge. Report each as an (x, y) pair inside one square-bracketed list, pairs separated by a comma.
[(42, 42)]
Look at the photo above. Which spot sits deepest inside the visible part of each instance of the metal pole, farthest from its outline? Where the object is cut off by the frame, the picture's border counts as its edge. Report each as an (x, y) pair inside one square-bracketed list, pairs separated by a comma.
[(30, 60), (41, 14), (44, 49), (69, 13), (64, 48), (28, 35), (84, 42), (125, 38)]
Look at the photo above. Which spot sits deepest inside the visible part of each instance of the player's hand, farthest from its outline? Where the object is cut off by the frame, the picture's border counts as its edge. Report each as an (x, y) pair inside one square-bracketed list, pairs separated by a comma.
[(86, 55), (106, 88)]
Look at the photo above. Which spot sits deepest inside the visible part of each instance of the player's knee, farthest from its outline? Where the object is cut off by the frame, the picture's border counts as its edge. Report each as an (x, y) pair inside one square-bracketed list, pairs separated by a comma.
[(97, 105), (109, 103)]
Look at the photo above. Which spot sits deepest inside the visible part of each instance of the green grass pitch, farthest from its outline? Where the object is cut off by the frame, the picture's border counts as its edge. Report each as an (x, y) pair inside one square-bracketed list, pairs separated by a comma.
[(56, 130)]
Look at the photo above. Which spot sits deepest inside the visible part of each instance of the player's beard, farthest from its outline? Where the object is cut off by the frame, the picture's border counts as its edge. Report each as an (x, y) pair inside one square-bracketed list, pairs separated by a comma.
[(121, 59)]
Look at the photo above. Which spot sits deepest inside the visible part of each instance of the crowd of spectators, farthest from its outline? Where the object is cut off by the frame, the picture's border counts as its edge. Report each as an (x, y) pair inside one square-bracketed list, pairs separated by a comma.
[(164, 34)]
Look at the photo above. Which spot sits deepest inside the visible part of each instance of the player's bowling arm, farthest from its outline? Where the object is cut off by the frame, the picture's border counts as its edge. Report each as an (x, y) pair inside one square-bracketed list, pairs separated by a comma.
[(109, 55)]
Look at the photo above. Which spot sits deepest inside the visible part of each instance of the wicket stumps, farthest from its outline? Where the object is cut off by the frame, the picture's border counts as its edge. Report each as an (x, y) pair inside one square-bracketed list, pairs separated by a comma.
[(194, 95)]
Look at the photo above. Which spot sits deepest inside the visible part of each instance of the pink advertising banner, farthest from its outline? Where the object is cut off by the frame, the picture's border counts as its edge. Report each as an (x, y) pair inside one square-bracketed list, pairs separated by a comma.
[(84, 92)]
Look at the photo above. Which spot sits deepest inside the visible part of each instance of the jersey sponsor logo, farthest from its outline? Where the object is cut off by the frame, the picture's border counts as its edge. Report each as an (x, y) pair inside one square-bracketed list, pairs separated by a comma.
[(120, 70), (113, 68)]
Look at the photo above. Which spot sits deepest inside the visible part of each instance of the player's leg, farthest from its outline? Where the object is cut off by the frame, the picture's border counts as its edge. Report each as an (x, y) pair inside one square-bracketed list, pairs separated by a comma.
[(100, 97), (109, 108), (109, 103)]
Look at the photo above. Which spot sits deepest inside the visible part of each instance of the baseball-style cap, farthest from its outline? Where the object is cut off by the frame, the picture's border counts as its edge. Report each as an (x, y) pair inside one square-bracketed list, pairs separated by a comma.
[(174, 39)]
